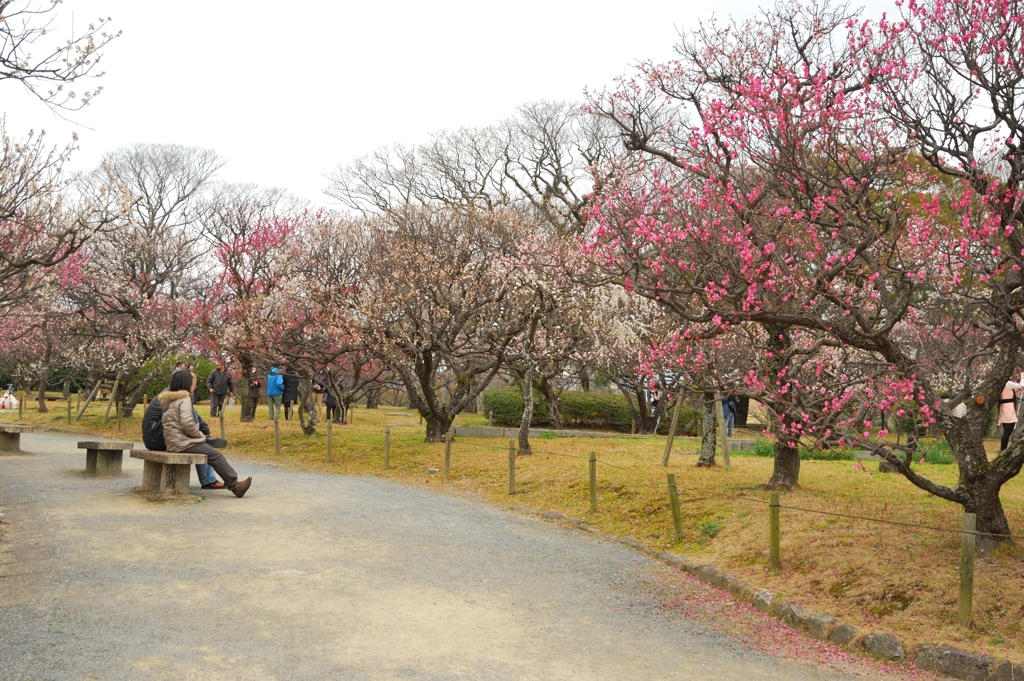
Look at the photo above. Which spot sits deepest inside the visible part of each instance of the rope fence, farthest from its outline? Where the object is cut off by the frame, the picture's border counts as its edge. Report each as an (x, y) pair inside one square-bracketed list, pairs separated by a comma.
[(968, 532)]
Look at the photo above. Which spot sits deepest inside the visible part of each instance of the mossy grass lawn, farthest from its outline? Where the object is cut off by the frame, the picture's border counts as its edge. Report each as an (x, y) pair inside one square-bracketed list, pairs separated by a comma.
[(877, 576)]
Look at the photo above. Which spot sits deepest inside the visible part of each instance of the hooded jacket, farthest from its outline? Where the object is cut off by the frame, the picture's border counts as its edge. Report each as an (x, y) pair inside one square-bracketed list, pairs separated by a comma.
[(291, 386), (275, 383), (180, 428), (153, 426)]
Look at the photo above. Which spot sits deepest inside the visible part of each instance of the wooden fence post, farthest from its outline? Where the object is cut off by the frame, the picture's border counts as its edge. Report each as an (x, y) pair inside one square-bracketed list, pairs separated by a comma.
[(967, 545), (221, 414), (773, 530), (330, 439), (277, 437), (673, 499), (69, 410), (490, 418), (511, 466), (672, 430), (720, 418), (593, 482), (120, 408), (387, 447), (21, 406), (448, 450)]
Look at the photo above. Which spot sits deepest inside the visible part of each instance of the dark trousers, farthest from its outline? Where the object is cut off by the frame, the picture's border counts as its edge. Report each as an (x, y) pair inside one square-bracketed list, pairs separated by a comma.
[(217, 461), (216, 404), (1007, 432), (287, 411)]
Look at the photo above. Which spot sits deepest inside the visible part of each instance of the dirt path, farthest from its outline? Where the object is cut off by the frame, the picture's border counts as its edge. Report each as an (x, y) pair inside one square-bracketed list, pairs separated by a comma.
[(322, 577)]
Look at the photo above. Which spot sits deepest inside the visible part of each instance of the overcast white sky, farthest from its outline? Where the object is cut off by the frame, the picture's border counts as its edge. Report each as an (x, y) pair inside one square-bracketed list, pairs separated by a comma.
[(286, 91)]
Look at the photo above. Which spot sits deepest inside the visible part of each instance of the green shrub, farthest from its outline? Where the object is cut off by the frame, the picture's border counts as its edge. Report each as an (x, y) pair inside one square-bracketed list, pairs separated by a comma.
[(939, 452), (595, 411), (507, 405), (579, 410), (689, 421), (764, 447), (834, 454)]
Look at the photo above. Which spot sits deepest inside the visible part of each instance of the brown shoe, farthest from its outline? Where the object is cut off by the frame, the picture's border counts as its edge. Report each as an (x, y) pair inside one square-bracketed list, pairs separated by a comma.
[(242, 487)]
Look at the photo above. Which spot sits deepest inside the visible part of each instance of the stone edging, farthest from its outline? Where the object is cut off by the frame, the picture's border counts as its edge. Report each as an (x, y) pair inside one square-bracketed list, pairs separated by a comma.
[(942, 660)]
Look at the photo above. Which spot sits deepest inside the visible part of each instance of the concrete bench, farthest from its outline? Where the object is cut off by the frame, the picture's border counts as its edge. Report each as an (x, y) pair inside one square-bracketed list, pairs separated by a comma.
[(166, 473), (103, 458), (10, 437)]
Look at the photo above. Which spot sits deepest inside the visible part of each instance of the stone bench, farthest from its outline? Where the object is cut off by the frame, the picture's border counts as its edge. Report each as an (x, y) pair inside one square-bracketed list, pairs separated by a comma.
[(103, 458), (166, 473), (10, 437)]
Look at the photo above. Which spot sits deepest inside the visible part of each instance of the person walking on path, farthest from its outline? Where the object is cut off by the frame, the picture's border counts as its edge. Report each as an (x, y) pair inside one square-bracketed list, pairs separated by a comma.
[(291, 392), (1008, 411), (275, 389), (221, 387), (181, 432)]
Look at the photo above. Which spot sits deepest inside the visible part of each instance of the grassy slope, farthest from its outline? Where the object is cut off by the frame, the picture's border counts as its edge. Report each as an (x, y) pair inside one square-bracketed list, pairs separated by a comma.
[(877, 576)]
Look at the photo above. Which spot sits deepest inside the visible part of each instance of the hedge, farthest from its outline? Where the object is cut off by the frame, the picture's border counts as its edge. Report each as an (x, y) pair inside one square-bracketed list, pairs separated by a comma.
[(580, 411)]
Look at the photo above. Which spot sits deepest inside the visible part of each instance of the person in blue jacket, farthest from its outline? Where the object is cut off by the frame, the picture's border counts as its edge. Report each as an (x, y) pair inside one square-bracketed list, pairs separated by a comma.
[(275, 388)]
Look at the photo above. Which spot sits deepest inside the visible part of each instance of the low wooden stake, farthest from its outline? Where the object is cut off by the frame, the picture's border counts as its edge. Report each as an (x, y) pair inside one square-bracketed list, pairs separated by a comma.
[(967, 546), (673, 500), (449, 436), (330, 440), (120, 408), (221, 413), (387, 447), (277, 439), (490, 418), (21, 406), (773, 530), (593, 482), (511, 466), (69, 410)]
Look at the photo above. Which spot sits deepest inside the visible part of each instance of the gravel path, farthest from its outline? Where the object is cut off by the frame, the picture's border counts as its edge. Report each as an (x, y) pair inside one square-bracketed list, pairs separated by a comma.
[(322, 577)]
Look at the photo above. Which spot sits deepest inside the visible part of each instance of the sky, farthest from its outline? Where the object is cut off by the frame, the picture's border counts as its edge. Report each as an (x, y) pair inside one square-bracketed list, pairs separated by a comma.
[(287, 91)]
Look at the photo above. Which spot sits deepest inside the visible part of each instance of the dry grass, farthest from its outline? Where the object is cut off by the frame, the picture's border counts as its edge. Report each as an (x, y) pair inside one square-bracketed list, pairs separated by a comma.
[(877, 576)]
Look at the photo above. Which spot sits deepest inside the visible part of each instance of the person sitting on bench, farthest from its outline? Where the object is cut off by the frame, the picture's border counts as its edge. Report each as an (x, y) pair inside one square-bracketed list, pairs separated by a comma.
[(182, 434), (153, 438)]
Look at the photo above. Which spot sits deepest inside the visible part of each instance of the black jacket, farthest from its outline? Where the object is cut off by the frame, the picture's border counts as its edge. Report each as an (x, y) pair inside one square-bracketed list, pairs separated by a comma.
[(220, 382), (153, 427), (291, 387)]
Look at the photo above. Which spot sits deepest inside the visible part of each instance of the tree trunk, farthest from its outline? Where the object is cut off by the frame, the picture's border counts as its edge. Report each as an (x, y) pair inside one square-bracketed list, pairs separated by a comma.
[(526, 388), (552, 401), (437, 426), (247, 400), (708, 441), (786, 473), (373, 398), (66, 392), (584, 380), (983, 500), (307, 406), (42, 389)]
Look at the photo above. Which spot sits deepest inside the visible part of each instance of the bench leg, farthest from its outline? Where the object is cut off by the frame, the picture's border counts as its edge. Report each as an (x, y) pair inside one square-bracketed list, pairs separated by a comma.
[(90, 462), (152, 475), (108, 462), (177, 478), (10, 443)]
